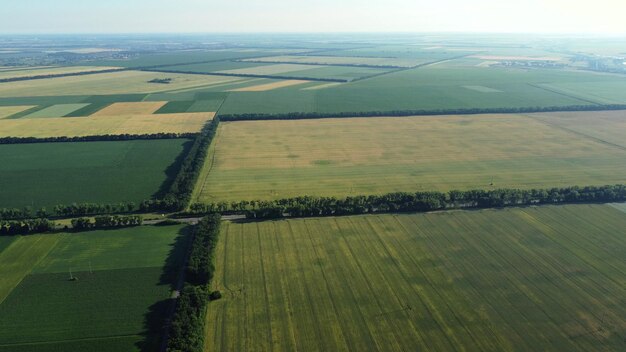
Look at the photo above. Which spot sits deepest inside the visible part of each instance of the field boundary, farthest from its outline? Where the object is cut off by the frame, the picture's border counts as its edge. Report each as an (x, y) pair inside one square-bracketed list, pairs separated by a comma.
[(302, 78), (405, 113), (412, 67), (321, 64), (404, 202), (564, 94), (95, 138), (30, 78)]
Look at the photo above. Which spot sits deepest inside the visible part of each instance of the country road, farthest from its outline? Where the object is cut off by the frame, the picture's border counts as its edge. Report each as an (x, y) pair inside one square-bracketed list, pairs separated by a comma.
[(192, 220)]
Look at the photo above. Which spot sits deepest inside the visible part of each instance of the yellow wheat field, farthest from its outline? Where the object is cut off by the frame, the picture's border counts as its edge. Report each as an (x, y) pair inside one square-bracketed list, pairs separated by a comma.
[(100, 125), (270, 86)]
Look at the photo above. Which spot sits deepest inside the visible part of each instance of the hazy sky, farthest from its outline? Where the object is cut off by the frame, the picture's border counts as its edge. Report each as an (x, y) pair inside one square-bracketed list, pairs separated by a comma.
[(125, 16)]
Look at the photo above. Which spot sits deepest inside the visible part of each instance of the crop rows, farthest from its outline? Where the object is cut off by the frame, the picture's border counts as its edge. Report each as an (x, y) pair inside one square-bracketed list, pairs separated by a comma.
[(522, 279)]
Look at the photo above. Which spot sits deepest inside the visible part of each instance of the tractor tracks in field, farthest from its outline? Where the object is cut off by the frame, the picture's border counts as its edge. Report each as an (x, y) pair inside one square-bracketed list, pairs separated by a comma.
[(577, 133)]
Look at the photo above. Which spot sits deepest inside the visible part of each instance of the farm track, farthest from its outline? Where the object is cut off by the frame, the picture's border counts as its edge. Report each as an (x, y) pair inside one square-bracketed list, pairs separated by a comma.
[(412, 67)]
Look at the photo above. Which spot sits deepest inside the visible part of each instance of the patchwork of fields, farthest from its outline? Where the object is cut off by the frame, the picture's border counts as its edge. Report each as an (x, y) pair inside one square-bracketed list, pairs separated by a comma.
[(534, 278), (342, 157), (117, 302), (439, 87), (125, 82), (47, 174), (549, 278)]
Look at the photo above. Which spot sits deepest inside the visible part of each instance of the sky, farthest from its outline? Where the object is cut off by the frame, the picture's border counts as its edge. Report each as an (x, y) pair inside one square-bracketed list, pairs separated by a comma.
[(310, 16)]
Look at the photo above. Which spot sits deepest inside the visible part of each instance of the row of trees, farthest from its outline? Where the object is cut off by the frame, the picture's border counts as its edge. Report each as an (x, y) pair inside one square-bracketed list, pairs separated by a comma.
[(95, 138), (413, 202), (338, 80), (68, 210), (179, 194), (395, 113), (106, 222), (52, 75), (25, 227), (324, 64), (187, 328), (176, 198)]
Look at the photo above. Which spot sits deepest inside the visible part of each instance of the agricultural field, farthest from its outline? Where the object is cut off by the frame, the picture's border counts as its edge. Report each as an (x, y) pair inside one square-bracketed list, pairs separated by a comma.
[(6, 111), (47, 174), (116, 303), (605, 126), (103, 125), (69, 120), (532, 279), (44, 71), (519, 278), (125, 82), (443, 86), (338, 60), (354, 156), (189, 57)]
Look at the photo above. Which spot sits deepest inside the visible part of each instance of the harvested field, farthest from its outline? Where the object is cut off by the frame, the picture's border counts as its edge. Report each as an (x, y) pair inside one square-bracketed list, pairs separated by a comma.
[(532, 279), (270, 86), (131, 108), (109, 83), (101, 125), (342, 157)]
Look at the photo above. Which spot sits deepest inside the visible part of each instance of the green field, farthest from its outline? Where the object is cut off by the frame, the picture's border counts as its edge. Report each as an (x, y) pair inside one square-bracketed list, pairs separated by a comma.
[(117, 303), (18, 256), (532, 279), (436, 87), (59, 110), (356, 156), (47, 174), (188, 57)]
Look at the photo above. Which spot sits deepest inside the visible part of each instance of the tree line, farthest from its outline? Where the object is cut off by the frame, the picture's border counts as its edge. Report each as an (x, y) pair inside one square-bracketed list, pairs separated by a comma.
[(53, 75), (68, 210), (187, 328), (25, 227), (106, 222), (95, 138), (324, 64), (179, 194), (396, 113), (339, 80), (412, 202)]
